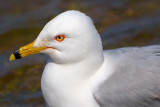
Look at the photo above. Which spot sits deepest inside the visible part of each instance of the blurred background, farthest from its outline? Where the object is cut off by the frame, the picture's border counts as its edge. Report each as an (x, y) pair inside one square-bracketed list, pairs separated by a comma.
[(119, 22)]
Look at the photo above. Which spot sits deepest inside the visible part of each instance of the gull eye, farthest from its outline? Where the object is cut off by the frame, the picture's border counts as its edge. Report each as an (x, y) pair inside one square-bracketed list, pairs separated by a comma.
[(59, 38)]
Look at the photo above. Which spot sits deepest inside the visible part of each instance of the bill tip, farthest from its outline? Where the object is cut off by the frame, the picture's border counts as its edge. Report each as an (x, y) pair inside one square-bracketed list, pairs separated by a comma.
[(12, 57)]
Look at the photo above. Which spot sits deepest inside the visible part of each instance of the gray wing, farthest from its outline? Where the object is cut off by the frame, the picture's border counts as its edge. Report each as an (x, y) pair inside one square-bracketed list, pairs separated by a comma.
[(136, 80)]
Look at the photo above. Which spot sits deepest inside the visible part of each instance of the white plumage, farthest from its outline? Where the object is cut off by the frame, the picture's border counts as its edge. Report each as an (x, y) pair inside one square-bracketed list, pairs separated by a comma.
[(80, 74)]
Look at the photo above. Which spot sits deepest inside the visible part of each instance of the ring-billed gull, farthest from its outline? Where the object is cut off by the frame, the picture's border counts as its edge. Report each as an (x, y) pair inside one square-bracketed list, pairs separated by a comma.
[(80, 74)]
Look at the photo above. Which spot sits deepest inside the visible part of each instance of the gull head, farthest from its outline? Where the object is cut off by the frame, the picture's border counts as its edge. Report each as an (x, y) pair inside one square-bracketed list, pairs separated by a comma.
[(68, 38)]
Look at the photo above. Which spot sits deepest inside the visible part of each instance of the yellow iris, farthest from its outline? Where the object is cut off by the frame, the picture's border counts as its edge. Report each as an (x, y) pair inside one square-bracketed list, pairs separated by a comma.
[(59, 38)]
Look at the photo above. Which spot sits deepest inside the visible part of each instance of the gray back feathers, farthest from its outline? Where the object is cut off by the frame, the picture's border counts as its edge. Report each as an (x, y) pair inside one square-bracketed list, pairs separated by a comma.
[(136, 80)]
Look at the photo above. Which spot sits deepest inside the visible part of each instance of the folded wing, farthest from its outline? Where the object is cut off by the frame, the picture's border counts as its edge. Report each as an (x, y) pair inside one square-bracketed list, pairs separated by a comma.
[(135, 81)]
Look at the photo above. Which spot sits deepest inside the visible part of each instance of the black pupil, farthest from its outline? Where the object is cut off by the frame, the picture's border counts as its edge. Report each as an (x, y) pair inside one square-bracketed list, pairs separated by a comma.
[(59, 37)]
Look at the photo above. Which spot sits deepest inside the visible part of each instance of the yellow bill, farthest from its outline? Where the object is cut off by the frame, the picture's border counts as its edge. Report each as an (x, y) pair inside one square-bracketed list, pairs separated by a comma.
[(25, 51)]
